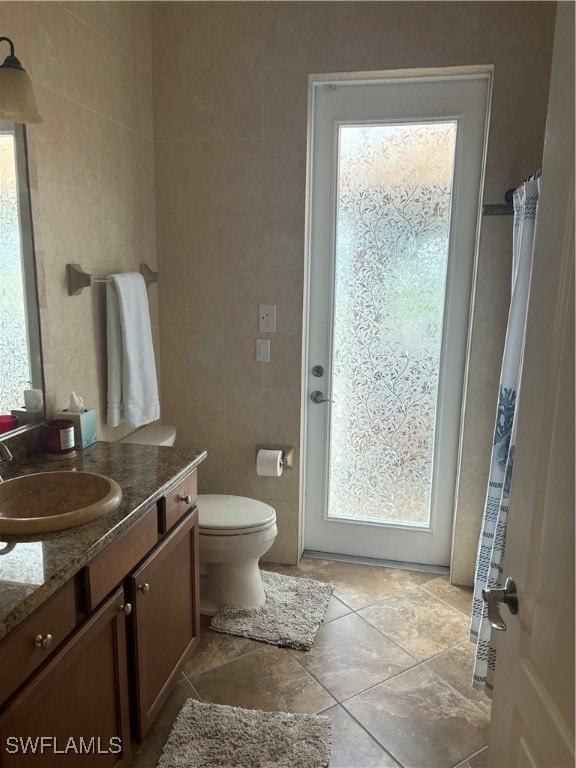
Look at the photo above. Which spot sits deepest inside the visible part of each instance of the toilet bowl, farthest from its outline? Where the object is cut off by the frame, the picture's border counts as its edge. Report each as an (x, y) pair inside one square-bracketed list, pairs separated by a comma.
[(234, 534)]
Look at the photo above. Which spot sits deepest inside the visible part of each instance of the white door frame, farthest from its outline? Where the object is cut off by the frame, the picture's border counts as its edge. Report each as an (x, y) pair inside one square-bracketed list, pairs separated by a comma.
[(408, 76)]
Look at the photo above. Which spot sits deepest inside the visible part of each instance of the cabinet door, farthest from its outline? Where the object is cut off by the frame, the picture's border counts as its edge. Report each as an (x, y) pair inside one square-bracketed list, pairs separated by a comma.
[(74, 712), (164, 592)]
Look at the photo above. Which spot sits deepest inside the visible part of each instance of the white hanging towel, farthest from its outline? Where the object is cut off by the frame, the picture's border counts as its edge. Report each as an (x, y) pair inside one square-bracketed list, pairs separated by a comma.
[(132, 383)]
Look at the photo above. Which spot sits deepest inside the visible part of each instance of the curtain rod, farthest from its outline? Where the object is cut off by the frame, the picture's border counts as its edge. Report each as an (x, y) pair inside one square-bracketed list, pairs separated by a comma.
[(507, 209)]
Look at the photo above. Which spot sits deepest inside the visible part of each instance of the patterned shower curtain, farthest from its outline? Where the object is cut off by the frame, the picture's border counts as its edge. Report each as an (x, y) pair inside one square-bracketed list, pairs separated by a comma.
[(492, 542)]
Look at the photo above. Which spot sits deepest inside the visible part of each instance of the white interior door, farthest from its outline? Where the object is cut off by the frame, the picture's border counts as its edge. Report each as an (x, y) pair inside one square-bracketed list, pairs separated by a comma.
[(395, 176), (533, 705)]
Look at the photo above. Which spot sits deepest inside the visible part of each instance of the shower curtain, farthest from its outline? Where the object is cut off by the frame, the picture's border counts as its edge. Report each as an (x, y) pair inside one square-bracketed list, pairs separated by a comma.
[(492, 542)]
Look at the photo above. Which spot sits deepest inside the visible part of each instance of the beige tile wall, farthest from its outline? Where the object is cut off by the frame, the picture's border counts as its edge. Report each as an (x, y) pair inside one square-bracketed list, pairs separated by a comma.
[(230, 90), (92, 173), (230, 127)]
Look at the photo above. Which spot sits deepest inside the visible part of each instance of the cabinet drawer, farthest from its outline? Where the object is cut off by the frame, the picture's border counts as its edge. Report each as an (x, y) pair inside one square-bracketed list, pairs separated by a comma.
[(176, 504), (19, 654), (110, 567)]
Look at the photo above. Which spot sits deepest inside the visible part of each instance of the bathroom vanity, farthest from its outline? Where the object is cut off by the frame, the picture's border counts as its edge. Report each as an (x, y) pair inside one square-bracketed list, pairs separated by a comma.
[(97, 621)]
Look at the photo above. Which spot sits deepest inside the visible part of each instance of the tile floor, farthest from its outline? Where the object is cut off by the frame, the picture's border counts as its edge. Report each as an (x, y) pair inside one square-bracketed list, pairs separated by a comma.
[(390, 665)]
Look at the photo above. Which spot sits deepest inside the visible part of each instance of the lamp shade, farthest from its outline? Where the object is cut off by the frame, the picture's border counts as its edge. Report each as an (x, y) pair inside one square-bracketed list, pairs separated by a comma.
[(17, 102)]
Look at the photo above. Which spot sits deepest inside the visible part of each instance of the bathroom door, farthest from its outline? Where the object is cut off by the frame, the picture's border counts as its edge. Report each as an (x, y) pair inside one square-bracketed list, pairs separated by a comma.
[(395, 177), (533, 702)]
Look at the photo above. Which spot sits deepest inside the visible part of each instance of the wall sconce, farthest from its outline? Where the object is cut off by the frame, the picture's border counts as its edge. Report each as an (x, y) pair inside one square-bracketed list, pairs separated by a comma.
[(17, 102)]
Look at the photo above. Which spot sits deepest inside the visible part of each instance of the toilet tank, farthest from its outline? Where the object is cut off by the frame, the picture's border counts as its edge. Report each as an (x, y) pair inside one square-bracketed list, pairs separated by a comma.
[(152, 434)]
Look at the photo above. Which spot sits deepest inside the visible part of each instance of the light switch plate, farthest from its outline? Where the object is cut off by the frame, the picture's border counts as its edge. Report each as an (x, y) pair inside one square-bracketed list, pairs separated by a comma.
[(262, 350), (267, 318)]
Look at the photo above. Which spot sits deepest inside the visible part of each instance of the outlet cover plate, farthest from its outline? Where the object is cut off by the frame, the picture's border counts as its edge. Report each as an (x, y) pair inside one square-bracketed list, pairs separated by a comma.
[(267, 318)]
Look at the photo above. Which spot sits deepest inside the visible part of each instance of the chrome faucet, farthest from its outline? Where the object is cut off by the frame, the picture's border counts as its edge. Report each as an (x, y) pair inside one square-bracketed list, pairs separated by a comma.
[(5, 454)]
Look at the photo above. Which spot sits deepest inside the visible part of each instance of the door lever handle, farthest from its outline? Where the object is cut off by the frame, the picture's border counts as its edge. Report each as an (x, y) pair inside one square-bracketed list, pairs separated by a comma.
[(492, 597), (318, 397)]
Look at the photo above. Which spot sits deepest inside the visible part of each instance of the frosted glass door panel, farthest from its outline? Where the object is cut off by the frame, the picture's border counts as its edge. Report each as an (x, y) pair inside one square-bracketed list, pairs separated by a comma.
[(395, 186), (394, 191)]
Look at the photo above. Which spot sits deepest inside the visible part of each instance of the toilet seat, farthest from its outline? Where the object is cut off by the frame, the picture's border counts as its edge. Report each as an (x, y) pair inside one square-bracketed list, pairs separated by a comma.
[(223, 515)]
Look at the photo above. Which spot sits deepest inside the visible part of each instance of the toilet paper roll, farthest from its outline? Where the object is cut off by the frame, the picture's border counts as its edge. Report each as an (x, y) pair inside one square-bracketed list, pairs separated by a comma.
[(269, 463)]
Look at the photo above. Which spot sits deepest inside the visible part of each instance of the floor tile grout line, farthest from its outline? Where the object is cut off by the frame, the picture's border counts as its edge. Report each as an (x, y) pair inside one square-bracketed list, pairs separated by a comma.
[(230, 661), (455, 690), (397, 643), (336, 702), (431, 658), (358, 693), (381, 682), (417, 663), (449, 648), (444, 682), (441, 600), (376, 602), (372, 736), (364, 728), (186, 679), (330, 621), (474, 754), (399, 592), (453, 607), (392, 640)]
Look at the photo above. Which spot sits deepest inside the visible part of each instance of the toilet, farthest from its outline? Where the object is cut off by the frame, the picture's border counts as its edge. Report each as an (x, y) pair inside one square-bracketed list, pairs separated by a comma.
[(152, 434), (234, 533)]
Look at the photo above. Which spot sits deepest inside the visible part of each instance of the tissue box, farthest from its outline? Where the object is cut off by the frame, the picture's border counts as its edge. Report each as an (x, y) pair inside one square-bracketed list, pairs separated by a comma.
[(84, 427)]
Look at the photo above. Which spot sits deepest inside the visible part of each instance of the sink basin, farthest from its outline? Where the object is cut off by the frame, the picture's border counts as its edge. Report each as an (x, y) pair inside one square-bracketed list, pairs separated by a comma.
[(52, 501)]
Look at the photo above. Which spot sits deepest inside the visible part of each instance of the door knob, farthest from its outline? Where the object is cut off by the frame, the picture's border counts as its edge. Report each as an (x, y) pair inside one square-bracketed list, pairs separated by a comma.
[(318, 397), (492, 597), (144, 588)]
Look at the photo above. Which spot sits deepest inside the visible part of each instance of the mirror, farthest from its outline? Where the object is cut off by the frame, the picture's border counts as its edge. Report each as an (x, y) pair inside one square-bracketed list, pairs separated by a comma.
[(21, 379)]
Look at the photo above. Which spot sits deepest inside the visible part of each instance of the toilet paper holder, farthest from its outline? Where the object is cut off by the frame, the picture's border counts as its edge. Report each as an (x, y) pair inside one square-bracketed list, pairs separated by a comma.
[(287, 453)]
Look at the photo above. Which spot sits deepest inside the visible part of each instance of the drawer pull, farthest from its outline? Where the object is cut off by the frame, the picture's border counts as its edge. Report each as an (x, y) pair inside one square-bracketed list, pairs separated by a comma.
[(186, 499), (144, 588), (126, 609), (43, 641)]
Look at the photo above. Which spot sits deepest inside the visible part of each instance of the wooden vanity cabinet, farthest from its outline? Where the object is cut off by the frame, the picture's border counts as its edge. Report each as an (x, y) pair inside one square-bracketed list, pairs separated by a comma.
[(138, 609), (82, 693), (165, 618)]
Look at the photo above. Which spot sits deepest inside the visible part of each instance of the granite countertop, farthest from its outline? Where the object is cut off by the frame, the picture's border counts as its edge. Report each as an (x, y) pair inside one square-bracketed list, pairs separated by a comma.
[(33, 568)]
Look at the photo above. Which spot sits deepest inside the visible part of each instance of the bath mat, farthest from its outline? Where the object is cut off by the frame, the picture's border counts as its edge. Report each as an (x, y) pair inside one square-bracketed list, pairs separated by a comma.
[(219, 736), (293, 611)]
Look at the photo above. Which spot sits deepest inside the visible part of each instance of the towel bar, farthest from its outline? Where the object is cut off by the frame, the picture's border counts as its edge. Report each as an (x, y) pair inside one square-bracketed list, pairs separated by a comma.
[(79, 279)]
